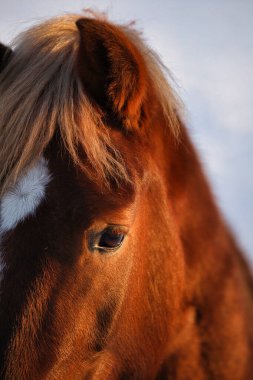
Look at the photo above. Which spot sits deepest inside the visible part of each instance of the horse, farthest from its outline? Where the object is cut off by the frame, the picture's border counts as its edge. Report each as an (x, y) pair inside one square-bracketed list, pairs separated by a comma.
[(116, 262)]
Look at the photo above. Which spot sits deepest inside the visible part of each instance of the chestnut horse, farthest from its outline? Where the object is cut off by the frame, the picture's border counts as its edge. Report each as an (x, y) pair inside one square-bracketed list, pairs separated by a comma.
[(115, 261)]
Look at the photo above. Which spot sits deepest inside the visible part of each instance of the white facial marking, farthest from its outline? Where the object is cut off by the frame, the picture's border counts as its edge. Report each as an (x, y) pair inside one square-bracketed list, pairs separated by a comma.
[(24, 196)]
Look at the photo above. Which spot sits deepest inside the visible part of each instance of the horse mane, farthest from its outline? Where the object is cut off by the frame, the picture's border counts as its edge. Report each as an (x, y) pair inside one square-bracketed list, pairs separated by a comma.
[(41, 93)]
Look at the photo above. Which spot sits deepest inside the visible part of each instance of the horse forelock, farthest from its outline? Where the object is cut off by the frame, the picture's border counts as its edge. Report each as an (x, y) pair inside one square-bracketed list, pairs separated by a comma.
[(41, 92)]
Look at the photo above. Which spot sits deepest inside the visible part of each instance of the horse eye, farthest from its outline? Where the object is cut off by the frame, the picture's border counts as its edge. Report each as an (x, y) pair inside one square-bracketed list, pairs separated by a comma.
[(109, 239)]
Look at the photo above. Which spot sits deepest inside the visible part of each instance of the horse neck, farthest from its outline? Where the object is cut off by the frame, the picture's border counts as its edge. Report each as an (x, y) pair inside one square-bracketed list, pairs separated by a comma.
[(217, 281), (207, 241)]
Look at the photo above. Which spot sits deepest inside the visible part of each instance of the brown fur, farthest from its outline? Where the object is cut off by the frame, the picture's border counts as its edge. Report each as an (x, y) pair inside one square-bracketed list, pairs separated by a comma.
[(176, 300)]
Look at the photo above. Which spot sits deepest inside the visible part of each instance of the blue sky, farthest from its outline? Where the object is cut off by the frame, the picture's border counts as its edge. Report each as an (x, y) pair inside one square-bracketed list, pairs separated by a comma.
[(208, 46)]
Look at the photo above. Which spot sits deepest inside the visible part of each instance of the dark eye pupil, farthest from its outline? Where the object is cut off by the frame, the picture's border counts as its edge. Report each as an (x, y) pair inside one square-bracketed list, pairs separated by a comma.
[(110, 239)]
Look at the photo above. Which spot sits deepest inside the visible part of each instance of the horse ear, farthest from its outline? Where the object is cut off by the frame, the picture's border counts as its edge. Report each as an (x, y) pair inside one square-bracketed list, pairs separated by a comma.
[(5, 54), (112, 70)]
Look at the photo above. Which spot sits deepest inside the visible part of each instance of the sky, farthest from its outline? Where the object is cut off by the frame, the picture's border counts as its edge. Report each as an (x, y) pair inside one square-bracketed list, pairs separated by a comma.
[(208, 47)]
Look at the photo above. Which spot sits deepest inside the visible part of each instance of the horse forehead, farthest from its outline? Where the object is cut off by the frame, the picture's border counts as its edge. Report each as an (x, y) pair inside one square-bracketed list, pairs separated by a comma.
[(24, 197)]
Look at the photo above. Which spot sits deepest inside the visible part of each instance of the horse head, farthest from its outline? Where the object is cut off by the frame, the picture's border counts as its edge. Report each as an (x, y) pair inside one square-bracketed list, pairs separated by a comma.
[(106, 218)]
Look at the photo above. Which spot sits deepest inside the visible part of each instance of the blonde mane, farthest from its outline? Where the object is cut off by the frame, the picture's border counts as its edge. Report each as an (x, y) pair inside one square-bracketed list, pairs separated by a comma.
[(41, 91)]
